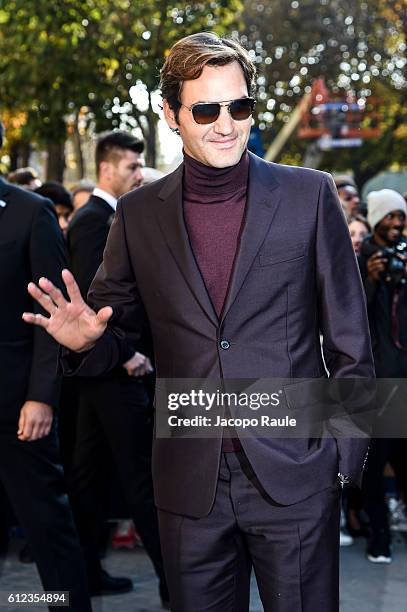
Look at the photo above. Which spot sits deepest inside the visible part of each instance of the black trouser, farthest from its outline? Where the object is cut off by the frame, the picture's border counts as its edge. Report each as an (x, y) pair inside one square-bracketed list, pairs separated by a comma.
[(67, 418), (391, 402), (398, 459), (373, 484), (114, 417), (294, 550), (33, 480)]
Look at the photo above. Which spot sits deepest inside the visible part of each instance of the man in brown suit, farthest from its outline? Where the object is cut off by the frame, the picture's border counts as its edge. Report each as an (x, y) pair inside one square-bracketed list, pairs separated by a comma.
[(239, 264)]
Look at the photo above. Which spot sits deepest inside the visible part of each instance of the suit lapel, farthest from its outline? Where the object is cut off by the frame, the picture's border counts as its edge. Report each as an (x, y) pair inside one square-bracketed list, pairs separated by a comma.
[(263, 199), (171, 220)]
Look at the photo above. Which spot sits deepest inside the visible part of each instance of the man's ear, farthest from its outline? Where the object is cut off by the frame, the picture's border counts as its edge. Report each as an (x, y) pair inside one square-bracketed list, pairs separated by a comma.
[(105, 169), (169, 115)]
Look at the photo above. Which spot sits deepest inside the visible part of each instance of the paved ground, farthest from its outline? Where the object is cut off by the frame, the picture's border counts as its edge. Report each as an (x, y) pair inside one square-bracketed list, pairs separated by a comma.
[(365, 587)]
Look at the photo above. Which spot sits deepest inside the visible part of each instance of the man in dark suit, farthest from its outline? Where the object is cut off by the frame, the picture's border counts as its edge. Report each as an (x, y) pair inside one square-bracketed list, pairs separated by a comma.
[(239, 265), (31, 244), (115, 420)]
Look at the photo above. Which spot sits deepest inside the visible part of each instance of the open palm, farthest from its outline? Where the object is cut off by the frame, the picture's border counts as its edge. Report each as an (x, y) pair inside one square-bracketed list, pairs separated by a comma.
[(72, 323)]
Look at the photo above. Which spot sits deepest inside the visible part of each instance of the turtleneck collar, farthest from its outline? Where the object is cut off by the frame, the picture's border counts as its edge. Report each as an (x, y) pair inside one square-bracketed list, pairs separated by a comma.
[(210, 181)]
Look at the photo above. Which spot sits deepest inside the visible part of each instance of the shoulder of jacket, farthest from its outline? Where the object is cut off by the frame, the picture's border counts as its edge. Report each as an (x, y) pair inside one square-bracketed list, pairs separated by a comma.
[(299, 172), (29, 200), (89, 212)]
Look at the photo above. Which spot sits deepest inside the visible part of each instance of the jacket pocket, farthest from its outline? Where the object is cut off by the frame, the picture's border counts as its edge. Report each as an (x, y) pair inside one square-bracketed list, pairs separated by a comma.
[(279, 255)]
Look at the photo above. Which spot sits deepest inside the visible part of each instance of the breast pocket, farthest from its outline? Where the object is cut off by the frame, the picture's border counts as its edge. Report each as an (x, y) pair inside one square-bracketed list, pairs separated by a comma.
[(282, 254)]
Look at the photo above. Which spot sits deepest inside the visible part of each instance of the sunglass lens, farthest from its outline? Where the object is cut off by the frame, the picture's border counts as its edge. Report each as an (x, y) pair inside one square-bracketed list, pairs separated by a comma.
[(206, 113), (241, 109)]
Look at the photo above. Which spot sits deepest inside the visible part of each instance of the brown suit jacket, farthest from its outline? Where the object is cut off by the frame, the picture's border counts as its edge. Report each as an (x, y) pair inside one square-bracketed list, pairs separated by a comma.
[(295, 276)]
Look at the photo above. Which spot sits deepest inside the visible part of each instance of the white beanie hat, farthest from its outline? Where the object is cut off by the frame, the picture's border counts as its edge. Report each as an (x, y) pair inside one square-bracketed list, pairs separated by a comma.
[(381, 203)]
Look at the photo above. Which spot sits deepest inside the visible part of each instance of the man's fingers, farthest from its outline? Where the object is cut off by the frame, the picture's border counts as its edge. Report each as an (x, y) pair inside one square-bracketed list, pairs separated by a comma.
[(54, 293), (36, 431), (41, 297), (27, 430), (104, 314), (21, 421), (71, 286), (36, 319)]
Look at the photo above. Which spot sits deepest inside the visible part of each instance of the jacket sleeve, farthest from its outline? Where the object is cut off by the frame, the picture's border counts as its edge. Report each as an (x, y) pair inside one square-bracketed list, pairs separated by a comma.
[(47, 257), (343, 322), (114, 285)]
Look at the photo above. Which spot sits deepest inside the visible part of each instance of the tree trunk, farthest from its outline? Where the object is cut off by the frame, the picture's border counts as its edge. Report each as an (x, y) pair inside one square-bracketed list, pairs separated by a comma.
[(55, 161), (13, 157), (77, 146), (19, 155), (151, 140), (25, 152)]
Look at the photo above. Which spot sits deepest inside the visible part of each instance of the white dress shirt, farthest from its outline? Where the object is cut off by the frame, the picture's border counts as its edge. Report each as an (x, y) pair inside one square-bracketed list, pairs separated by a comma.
[(101, 193)]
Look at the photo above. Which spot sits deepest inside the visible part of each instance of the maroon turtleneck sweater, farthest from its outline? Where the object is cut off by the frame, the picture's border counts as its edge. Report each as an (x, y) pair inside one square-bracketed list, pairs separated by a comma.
[(214, 201), (214, 205)]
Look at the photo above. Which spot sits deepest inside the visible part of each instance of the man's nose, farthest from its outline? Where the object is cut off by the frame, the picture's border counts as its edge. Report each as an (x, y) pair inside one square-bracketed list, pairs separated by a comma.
[(224, 123), (138, 176)]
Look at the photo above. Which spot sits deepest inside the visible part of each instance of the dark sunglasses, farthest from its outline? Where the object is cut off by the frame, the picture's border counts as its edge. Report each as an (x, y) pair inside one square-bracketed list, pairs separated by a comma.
[(208, 112)]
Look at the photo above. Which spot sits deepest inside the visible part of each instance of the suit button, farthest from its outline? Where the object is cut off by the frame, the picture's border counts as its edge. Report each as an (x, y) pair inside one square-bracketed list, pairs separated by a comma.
[(225, 345)]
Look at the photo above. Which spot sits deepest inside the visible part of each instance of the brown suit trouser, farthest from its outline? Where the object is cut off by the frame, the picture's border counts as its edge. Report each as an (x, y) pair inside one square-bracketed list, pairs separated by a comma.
[(294, 550)]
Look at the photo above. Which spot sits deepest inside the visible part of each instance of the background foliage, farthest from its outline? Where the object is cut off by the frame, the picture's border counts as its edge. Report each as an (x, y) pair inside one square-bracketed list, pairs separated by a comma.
[(74, 66)]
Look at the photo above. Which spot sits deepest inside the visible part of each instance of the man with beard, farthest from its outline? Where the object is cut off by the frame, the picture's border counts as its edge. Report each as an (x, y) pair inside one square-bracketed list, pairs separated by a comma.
[(386, 297)]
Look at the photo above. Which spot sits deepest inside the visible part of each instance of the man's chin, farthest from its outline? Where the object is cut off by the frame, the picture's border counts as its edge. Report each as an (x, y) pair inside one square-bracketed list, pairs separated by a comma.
[(394, 239), (225, 158)]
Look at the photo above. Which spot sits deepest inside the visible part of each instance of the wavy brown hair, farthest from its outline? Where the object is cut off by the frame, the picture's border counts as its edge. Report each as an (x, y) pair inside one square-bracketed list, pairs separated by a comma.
[(188, 57)]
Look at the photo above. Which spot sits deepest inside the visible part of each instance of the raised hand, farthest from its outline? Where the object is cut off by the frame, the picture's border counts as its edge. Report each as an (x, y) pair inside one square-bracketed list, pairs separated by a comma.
[(72, 323)]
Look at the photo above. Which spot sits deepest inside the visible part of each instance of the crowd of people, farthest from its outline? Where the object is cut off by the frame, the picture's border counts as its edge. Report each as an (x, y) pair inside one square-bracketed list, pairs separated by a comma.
[(104, 424), (375, 226)]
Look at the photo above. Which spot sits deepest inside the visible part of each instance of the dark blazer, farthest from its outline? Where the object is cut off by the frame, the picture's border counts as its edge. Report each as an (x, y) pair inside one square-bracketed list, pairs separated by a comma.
[(31, 246), (295, 275), (86, 241)]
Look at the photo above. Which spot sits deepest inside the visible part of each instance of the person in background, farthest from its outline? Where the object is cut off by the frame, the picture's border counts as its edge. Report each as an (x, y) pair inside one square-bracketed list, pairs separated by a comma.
[(81, 194), (386, 298), (61, 199), (115, 416), (150, 175), (27, 178), (348, 194), (359, 228), (31, 245)]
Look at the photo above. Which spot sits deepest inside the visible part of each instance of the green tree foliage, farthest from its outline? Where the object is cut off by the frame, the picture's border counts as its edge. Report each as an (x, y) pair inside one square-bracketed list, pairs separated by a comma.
[(61, 60), (357, 46)]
